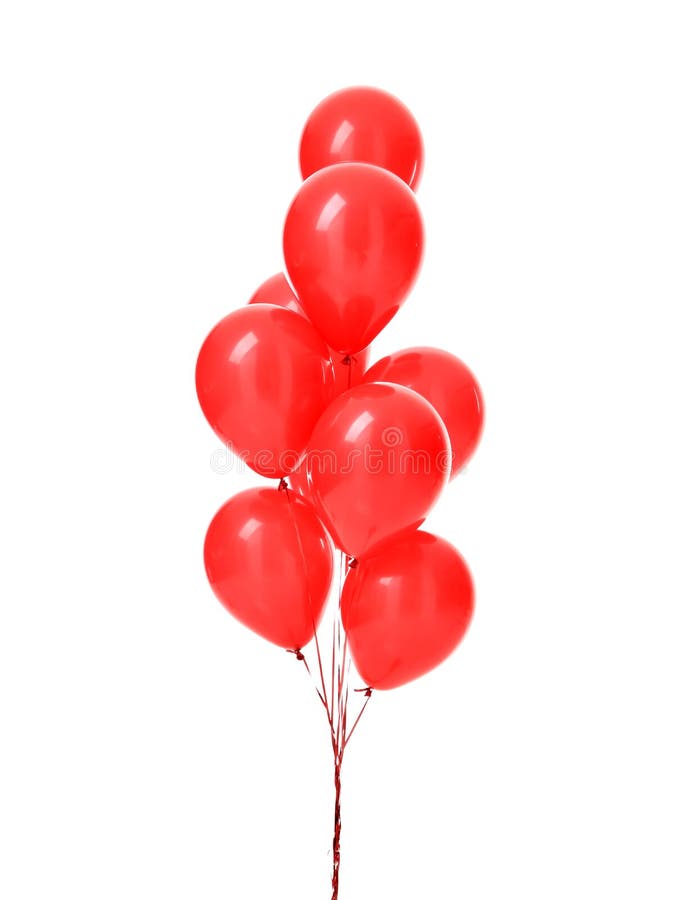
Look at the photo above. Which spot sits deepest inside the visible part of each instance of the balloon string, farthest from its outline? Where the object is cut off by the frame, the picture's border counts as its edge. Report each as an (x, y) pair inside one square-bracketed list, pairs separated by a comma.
[(349, 361), (368, 694), (336, 704), (334, 648), (336, 849)]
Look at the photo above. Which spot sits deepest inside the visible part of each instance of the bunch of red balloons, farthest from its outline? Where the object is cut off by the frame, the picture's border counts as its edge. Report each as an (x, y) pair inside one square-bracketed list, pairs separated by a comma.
[(360, 454)]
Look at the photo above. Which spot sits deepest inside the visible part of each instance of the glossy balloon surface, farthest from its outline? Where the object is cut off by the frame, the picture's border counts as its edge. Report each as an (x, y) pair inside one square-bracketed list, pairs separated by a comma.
[(405, 608), (263, 378), (363, 124), (276, 290), (448, 384), (269, 561), (353, 242), (377, 461)]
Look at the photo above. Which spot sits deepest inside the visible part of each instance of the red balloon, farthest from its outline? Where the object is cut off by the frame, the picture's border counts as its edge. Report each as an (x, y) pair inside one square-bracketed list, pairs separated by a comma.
[(363, 124), (263, 378), (448, 385), (276, 290), (376, 463), (353, 242), (405, 608), (269, 560)]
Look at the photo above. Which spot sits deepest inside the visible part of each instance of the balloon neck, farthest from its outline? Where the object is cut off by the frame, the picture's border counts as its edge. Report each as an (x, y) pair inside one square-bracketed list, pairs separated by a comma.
[(349, 361)]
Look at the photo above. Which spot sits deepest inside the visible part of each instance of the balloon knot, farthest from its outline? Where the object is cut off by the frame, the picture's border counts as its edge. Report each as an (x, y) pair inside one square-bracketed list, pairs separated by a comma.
[(352, 563), (367, 691), (282, 485), (348, 360), (299, 655)]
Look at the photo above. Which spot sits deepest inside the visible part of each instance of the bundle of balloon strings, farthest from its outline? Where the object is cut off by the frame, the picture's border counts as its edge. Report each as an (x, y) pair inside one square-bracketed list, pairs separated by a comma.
[(358, 454)]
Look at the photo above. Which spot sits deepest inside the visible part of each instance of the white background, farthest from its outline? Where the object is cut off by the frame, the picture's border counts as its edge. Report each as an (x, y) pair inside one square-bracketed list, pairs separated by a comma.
[(151, 747)]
